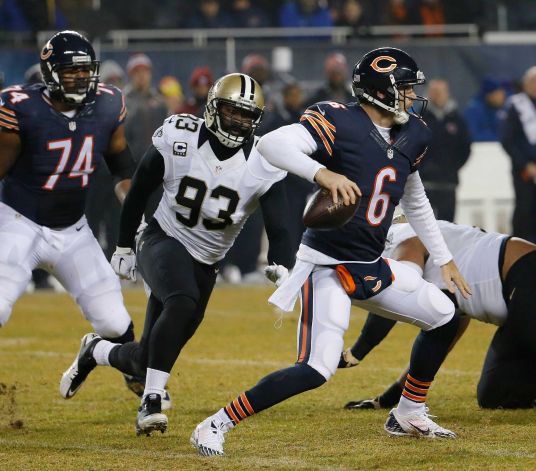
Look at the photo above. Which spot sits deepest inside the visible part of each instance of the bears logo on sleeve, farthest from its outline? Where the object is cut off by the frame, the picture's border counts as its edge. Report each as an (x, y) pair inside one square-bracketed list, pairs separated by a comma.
[(323, 128)]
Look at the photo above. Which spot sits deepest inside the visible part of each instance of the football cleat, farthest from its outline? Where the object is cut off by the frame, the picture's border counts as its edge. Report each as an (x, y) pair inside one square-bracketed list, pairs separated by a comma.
[(347, 359), (137, 385), (418, 425), (73, 378), (208, 437), (150, 417), (364, 404)]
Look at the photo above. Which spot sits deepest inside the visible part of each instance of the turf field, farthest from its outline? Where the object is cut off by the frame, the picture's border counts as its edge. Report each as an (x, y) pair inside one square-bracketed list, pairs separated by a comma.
[(235, 346)]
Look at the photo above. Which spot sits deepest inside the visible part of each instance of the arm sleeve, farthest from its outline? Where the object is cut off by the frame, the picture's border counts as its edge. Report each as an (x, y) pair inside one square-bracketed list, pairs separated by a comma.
[(121, 165), (421, 217), (148, 176), (273, 204), (289, 148)]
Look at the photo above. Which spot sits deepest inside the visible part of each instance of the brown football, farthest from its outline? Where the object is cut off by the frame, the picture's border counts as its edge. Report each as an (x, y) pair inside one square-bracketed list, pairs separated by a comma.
[(321, 213)]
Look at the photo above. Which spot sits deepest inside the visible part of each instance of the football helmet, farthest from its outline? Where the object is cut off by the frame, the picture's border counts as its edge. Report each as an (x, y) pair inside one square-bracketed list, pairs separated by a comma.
[(235, 105), (69, 51), (389, 71)]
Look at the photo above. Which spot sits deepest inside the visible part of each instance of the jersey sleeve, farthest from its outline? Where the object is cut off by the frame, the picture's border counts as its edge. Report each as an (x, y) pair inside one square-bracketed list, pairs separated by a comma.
[(424, 144), (9, 116), (262, 169), (167, 141), (115, 103), (318, 119)]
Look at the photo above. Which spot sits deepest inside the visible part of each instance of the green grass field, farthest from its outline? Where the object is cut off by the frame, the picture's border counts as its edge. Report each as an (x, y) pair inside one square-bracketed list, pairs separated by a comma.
[(235, 346)]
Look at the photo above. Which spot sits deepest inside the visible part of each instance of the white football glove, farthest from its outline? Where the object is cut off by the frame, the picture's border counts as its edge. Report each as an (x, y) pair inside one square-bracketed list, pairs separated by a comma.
[(277, 274), (124, 263)]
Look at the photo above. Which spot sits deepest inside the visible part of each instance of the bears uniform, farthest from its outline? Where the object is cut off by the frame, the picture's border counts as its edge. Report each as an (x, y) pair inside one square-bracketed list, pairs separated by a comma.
[(213, 178), (377, 145), (50, 157), (501, 273)]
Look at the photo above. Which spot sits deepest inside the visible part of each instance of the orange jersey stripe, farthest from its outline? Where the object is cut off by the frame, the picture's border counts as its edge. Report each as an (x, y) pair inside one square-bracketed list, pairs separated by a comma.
[(247, 404), (229, 410), (9, 118), (324, 127), (8, 126), (7, 111), (322, 118), (305, 333), (317, 129), (415, 389), (412, 397), (419, 383), (239, 409)]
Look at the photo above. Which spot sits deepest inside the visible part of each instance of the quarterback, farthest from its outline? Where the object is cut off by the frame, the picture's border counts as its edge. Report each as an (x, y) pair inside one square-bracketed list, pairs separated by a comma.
[(214, 178), (53, 135)]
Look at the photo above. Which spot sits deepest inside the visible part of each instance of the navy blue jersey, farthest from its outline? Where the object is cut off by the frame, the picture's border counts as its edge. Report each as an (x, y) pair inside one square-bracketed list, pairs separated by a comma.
[(350, 144), (49, 180)]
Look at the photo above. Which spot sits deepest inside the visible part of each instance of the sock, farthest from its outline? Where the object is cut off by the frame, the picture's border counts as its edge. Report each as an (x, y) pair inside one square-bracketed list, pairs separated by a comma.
[(413, 397), (236, 410), (223, 417), (391, 396), (155, 382), (101, 352)]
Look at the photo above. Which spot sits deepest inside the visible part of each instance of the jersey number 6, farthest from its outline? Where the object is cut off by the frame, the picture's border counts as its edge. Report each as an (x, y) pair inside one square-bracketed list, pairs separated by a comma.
[(193, 203)]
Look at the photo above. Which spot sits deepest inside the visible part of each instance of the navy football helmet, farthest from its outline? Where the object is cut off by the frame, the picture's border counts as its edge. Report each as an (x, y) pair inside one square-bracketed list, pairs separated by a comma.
[(69, 68), (388, 70)]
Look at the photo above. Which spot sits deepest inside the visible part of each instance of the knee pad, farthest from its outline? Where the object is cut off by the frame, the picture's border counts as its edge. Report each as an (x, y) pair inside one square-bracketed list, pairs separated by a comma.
[(407, 278), (5, 311), (440, 307), (128, 336), (326, 352)]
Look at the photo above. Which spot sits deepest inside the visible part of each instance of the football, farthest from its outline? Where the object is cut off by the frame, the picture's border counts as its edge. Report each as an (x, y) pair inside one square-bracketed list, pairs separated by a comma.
[(322, 214)]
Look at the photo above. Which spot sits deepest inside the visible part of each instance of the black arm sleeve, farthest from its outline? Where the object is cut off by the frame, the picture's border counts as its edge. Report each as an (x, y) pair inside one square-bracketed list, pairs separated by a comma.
[(274, 210), (121, 165), (147, 178)]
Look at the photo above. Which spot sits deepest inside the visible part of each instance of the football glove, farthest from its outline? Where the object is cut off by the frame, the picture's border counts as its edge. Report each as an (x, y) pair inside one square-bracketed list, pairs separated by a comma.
[(277, 274), (124, 263)]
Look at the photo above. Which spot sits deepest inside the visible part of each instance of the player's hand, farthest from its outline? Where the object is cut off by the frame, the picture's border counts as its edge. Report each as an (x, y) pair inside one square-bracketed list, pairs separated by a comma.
[(337, 184), (277, 274), (124, 263), (452, 276)]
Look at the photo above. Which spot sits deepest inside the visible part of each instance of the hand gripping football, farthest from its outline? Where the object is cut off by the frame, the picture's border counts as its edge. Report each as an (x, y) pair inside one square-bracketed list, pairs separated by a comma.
[(321, 213)]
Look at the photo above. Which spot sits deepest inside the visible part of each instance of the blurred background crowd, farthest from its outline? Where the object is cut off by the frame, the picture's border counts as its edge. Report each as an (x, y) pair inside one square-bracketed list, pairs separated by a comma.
[(470, 85)]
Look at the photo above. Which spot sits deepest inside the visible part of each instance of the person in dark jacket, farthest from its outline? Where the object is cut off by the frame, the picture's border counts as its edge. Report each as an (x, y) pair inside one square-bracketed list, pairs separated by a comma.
[(518, 137), (448, 152)]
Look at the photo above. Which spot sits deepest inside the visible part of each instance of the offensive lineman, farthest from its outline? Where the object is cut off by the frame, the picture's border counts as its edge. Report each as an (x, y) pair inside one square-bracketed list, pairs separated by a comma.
[(214, 178), (502, 273), (378, 145), (53, 135)]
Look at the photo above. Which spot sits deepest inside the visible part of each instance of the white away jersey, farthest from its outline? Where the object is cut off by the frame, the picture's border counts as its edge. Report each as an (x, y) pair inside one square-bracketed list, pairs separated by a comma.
[(207, 201), (476, 254)]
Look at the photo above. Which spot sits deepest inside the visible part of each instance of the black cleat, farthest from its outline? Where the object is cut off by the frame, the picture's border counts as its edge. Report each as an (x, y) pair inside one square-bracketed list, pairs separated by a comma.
[(73, 378), (136, 384), (364, 404), (150, 417)]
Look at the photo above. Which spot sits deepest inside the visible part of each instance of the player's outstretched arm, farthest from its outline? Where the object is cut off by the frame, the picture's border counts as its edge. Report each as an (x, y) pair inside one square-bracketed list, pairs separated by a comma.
[(9, 150), (120, 162)]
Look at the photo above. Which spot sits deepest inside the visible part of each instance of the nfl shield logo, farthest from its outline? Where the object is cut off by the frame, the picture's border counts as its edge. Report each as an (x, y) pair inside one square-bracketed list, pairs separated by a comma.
[(390, 153), (72, 126)]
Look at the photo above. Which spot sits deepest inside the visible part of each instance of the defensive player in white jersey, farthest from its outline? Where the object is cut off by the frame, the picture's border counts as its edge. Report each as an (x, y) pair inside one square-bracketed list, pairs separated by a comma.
[(214, 178), (377, 144), (502, 273)]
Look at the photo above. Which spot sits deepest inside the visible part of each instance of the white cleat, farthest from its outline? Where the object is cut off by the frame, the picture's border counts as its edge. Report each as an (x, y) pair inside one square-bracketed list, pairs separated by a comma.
[(418, 424), (208, 437)]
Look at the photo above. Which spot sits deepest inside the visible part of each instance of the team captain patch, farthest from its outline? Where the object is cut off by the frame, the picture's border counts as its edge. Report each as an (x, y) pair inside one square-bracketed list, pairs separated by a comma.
[(180, 148)]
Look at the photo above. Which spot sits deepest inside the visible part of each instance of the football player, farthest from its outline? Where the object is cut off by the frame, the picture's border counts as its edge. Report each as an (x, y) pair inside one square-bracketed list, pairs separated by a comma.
[(376, 144), (501, 271), (53, 135), (214, 178)]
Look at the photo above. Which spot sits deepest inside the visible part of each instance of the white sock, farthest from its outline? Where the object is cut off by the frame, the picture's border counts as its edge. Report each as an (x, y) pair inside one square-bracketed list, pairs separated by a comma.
[(223, 417), (101, 352), (155, 382), (407, 407)]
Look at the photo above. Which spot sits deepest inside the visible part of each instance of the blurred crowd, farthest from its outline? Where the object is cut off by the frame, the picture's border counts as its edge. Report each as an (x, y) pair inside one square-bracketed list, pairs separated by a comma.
[(495, 113), (97, 17)]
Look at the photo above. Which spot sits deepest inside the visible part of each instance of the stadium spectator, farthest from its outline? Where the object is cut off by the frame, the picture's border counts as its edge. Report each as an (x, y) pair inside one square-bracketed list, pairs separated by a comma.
[(201, 80), (111, 72), (395, 12), (484, 112), (336, 87), (299, 13), (146, 111), (430, 13), (12, 17), (171, 90), (449, 150), (209, 14), (518, 137), (353, 13), (247, 15)]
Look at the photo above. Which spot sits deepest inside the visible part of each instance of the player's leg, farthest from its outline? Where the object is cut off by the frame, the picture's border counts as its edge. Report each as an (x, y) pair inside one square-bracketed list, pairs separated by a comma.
[(323, 321), (19, 245), (413, 300)]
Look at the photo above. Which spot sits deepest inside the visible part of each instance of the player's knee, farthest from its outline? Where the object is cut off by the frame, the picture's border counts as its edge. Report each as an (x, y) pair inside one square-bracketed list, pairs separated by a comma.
[(5, 311), (184, 306), (127, 336), (309, 376), (437, 304), (325, 359)]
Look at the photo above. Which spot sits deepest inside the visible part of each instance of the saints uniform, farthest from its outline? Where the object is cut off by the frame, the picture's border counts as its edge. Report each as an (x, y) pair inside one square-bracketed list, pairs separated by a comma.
[(42, 222)]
